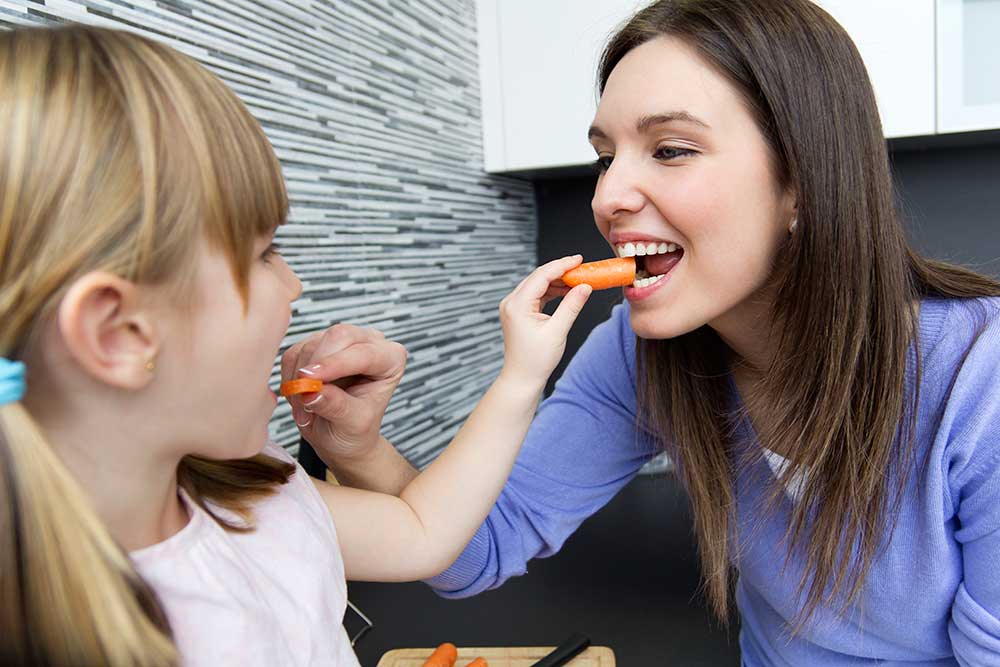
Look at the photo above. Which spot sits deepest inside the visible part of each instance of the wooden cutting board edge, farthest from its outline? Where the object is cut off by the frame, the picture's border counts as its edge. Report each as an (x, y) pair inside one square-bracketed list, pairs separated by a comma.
[(594, 656)]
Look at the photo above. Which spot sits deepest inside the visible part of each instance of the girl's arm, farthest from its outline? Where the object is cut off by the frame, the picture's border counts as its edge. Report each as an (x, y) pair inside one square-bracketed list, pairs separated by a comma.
[(418, 534)]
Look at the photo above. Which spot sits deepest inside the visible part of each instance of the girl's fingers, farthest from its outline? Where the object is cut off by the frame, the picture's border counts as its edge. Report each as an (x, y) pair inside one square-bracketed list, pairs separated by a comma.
[(570, 308), (554, 292), (534, 287)]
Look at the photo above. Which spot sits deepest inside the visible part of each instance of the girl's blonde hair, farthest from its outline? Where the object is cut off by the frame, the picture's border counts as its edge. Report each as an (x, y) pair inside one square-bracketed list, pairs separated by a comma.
[(117, 154)]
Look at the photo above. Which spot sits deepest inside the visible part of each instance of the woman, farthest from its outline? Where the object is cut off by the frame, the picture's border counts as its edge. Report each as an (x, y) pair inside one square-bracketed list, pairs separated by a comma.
[(829, 396)]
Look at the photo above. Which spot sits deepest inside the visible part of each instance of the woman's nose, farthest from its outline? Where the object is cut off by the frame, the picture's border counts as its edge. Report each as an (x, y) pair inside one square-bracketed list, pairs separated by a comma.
[(617, 192)]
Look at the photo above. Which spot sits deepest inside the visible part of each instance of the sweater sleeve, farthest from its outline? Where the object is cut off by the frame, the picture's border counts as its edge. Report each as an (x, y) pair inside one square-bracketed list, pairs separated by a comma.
[(581, 449), (974, 477)]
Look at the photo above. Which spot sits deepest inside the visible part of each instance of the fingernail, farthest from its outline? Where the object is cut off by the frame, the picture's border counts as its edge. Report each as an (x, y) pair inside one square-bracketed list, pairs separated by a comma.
[(307, 422), (310, 404), (310, 370)]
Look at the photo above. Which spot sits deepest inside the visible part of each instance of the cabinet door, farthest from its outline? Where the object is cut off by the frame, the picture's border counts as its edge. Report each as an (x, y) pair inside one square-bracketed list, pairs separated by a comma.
[(538, 63), (538, 66), (968, 65), (896, 41)]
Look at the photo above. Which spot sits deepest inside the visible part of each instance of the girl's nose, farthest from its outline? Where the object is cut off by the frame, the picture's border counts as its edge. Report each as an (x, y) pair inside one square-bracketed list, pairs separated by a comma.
[(617, 192), (292, 280)]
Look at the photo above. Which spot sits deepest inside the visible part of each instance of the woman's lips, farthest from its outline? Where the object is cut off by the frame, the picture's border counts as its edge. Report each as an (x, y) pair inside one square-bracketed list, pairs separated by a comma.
[(647, 283)]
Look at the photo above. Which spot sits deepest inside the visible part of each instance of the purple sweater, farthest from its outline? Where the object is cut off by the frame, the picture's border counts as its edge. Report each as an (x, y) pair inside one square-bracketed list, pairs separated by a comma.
[(931, 598)]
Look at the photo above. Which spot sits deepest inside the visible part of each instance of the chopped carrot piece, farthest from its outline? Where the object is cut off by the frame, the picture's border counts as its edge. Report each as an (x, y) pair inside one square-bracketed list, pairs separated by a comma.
[(444, 655), (604, 274), (478, 662), (301, 386)]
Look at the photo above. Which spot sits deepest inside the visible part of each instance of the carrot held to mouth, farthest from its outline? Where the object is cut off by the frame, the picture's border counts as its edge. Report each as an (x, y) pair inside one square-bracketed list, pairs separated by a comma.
[(301, 386), (607, 273)]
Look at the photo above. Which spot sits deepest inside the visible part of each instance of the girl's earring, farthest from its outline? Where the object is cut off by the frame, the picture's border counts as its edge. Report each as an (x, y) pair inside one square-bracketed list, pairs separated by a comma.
[(795, 223), (151, 365)]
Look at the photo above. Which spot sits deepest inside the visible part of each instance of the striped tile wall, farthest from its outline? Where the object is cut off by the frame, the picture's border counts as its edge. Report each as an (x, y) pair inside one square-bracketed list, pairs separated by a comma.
[(373, 109)]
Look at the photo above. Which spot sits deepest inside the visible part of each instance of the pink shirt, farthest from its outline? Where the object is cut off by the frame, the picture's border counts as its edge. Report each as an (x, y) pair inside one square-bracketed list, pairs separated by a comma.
[(275, 596)]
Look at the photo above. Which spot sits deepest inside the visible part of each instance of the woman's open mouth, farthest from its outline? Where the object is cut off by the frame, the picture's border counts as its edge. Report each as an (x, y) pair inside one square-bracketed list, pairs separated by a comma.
[(654, 261)]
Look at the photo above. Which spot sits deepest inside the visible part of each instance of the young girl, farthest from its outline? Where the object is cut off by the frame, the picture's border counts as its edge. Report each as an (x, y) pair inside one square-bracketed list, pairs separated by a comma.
[(830, 397), (142, 303)]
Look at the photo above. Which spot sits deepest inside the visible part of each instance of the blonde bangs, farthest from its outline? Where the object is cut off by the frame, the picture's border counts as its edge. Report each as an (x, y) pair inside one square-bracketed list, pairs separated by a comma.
[(121, 154), (214, 151)]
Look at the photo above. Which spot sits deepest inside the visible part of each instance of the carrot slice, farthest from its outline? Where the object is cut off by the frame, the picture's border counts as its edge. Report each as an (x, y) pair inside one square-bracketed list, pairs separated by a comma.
[(444, 655), (478, 662), (604, 274), (301, 386)]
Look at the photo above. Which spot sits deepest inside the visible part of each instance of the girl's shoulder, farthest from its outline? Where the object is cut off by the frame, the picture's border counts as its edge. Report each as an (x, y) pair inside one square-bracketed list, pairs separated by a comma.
[(273, 595)]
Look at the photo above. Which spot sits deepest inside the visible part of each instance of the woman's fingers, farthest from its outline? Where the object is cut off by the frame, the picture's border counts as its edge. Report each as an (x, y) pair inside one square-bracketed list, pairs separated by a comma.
[(324, 343), (375, 360)]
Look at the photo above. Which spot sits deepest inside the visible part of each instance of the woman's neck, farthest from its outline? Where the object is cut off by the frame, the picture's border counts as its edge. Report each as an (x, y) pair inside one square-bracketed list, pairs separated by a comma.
[(747, 331)]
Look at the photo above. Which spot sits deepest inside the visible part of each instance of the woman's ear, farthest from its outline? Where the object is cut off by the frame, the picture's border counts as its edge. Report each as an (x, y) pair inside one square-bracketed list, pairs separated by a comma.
[(792, 206), (106, 330)]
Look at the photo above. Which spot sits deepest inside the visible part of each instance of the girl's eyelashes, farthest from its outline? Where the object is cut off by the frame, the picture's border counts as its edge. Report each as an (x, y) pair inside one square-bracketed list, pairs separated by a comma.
[(662, 154), (270, 251)]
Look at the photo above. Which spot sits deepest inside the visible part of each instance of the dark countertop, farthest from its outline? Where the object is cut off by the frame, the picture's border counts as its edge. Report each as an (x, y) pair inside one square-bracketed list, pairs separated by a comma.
[(628, 579)]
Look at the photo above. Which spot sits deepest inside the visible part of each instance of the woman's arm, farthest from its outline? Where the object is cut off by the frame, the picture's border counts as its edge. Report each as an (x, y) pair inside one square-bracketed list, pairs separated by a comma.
[(379, 467), (581, 449), (419, 533), (973, 469)]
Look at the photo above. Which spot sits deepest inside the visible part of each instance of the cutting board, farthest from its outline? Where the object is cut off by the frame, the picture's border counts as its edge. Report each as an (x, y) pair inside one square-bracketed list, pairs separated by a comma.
[(522, 656)]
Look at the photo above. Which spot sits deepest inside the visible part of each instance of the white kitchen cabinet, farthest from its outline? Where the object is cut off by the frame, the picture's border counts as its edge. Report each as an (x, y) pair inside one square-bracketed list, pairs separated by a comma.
[(968, 52), (933, 64), (896, 40), (538, 73)]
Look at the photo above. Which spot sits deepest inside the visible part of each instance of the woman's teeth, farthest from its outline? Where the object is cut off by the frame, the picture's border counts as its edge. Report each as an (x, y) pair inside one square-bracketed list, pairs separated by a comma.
[(640, 249), (643, 279)]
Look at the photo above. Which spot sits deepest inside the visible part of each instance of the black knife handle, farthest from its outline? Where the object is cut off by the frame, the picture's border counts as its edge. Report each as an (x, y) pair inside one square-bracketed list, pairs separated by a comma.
[(565, 652)]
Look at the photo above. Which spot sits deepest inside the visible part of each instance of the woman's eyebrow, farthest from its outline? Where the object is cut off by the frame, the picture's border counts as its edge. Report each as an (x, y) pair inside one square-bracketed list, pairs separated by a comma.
[(646, 123)]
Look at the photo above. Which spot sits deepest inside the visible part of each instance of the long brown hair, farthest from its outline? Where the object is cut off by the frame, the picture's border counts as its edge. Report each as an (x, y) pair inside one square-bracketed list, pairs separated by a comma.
[(843, 318), (117, 154)]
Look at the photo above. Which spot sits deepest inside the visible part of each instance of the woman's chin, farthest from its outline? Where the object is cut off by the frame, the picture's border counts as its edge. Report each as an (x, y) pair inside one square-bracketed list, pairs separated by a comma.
[(657, 326)]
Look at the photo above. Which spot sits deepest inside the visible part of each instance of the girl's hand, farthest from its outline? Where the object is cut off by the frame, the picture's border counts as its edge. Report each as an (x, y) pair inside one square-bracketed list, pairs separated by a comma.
[(533, 341), (360, 370)]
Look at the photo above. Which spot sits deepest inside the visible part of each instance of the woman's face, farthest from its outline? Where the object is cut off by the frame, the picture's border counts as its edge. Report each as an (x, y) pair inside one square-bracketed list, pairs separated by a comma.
[(686, 175)]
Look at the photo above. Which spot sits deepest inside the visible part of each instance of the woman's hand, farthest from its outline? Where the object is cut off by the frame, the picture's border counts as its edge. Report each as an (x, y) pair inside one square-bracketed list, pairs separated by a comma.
[(533, 341), (360, 370)]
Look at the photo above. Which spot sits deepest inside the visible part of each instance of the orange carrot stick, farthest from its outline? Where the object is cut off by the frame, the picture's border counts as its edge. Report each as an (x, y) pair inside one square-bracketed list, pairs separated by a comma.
[(478, 662), (444, 655), (606, 273), (301, 386)]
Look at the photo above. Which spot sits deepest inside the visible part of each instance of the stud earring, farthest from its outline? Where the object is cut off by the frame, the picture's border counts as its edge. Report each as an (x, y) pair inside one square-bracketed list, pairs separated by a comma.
[(150, 365), (795, 223)]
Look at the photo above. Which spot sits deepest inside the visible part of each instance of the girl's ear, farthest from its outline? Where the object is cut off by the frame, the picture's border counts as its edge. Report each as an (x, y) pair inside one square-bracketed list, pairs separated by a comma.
[(107, 331)]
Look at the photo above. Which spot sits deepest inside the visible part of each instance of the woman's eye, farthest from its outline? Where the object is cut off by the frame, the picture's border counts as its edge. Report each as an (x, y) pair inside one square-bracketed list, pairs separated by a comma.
[(603, 163), (669, 152)]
